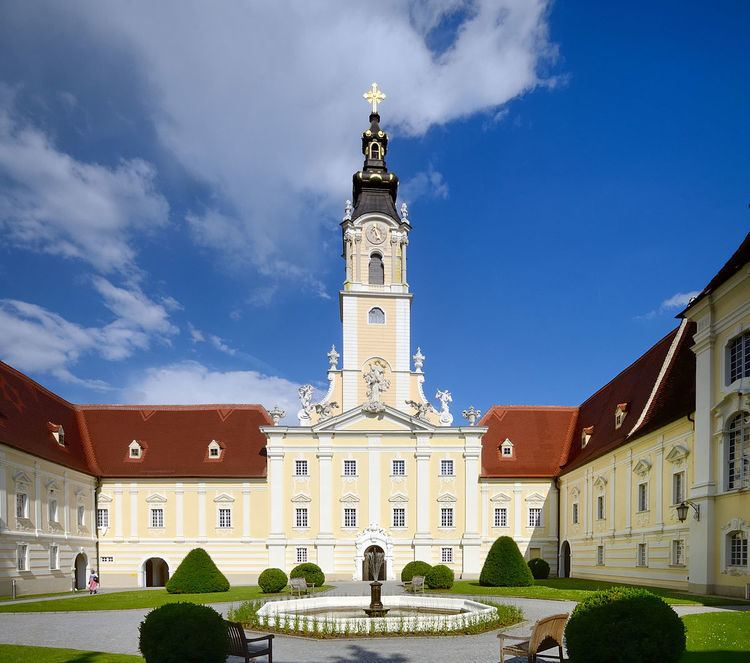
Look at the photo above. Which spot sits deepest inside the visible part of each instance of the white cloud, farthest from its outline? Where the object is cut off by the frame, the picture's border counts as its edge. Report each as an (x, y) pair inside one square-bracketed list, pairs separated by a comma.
[(53, 203), (190, 382), (426, 183), (676, 302), (217, 342), (262, 101)]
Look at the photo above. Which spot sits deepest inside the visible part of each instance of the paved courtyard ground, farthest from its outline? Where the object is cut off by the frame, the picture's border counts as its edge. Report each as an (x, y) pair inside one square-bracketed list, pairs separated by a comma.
[(117, 631)]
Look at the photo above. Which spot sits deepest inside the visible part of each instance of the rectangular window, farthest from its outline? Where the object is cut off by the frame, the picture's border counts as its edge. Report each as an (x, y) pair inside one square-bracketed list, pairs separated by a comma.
[(107, 558), (22, 505), (641, 555), (575, 513), (22, 554), (446, 468), (600, 507), (350, 468), (678, 552), (157, 518), (300, 517), (399, 517), (738, 549), (535, 517), (507, 451), (213, 452), (398, 467), (52, 508), (102, 517), (678, 487), (54, 558), (300, 468), (301, 555), (81, 516), (642, 497), (501, 517), (739, 358), (225, 518), (446, 517), (446, 555), (600, 555), (350, 517)]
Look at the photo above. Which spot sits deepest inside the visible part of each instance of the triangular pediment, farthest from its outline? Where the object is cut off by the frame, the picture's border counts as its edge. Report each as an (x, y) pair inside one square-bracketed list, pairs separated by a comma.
[(535, 497), (349, 498), (224, 498), (677, 454), (21, 478), (103, 498), (398, 497), (600, 481), (500, 497), (642, 467), (390, 419), (446, 497), (301, 497), (156, 498)]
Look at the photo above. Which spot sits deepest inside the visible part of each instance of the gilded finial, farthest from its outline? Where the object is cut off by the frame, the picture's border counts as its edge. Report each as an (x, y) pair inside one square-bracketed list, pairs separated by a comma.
[(374, 96)]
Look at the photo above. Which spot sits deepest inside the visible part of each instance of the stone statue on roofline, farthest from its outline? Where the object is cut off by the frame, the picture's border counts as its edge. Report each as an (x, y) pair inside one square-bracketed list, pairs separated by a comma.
[(444, 396)]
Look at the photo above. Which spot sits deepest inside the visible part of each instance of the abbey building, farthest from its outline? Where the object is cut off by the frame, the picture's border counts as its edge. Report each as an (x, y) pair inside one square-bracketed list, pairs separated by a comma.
[(647, 481)]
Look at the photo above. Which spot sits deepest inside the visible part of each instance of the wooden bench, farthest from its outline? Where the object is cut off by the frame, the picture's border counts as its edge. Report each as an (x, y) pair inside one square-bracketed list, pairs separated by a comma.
[(239, 643), (415, 585), (299, 586), (546, 634)]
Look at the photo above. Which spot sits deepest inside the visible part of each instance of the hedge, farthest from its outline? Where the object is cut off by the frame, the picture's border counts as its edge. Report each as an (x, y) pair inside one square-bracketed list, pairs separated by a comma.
[(272, 580), (439, 577), (312, 574), (414, 569), (197, 574), (183, 633), (539, 568), (505, 566), (627, 625)]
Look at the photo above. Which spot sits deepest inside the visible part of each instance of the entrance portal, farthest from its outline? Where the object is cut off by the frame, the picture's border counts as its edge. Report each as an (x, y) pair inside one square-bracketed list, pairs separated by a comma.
[(565, 560), (155, 572), (366, 575), (80, 570)]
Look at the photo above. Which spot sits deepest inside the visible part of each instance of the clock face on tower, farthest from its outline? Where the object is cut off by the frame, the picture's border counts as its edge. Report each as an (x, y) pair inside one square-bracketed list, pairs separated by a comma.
[(376, 233)]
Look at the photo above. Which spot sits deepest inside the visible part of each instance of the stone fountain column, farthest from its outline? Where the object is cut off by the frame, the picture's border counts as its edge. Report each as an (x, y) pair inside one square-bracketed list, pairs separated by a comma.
[(375, 563)]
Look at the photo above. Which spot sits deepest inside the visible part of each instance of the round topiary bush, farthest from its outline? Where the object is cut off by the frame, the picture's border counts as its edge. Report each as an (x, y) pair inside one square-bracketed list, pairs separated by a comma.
[(539, 568), (312, 573), (183, 633), (505, 566), (626, 625), (439, 577), (414, 569), (272, 580), (197, 574)]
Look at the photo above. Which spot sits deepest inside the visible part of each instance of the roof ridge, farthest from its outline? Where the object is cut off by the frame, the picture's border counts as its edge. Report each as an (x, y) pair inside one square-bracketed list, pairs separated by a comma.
[(88, 447), (567, 446), (533, 407), (195, 406)]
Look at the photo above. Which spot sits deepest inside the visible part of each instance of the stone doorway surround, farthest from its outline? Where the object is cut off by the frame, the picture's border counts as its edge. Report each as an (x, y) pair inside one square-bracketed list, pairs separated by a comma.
[(373, 535)]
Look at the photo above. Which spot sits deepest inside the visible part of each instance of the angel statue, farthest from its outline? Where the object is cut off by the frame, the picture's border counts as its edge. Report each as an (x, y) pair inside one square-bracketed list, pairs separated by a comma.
[(421, 408), (376, 385), (444, 396), (305, 396), (324, 410)]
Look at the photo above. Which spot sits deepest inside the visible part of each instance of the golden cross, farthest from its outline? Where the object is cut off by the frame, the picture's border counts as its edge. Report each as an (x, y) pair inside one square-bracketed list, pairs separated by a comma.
[(374, 96)]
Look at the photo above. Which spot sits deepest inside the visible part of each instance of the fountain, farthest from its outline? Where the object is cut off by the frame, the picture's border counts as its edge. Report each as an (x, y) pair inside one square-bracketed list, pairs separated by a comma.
[(375, 562)]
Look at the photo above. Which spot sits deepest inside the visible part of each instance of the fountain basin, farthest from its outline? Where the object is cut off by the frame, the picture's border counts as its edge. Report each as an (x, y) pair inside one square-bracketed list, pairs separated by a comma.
[(344, 615)]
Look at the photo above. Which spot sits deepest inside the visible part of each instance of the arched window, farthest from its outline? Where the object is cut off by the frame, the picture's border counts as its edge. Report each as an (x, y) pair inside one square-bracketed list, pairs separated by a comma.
[(738, 358), (377, 274), (737, 549), (374, 150), (738, 451), (376, 316)]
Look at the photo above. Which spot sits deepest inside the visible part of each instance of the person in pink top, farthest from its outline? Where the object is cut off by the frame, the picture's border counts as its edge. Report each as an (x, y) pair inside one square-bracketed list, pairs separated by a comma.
[(93, 583)]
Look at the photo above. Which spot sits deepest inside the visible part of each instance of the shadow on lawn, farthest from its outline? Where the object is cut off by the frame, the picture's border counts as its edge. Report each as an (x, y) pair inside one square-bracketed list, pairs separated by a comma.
[(715, 657), (364, 655)]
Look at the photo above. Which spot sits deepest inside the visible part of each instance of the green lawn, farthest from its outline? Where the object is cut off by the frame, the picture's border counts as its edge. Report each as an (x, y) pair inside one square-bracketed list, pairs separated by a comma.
[(575, 589), (15, 653), (34, 596), (717, 637), (143, 598)]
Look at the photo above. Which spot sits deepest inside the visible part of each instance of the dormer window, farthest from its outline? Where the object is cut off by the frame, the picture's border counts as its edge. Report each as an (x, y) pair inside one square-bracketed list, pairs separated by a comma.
[(586, 435), (621, 412), (214, 450), (58, 433), (135, 450), (506, 449)]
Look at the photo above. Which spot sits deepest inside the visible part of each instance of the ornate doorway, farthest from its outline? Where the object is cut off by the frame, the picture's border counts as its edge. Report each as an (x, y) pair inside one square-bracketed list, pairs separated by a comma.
[(155, 572), (366, 574), (373, 538), (564, 571)]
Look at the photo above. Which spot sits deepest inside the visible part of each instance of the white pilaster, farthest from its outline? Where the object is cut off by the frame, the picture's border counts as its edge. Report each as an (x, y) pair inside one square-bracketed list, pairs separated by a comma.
[(245, 511), (202, 511), (64, 505), (179, 511), (611, 506), (472, 564), (118, 515), (629, 493), (276, 482), (3, 493), (133, 512), (552, 518), (325, 541), (659, 483), (423, 535), (374, 479), (517, 515), (37, 499)]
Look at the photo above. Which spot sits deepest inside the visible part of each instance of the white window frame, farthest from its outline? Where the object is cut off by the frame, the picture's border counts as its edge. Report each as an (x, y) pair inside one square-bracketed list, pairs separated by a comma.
[(301, 555), (744, 339), (500, 517), (678, 552), (400, 522), (576, 513), (22, 556), (22, 505), (350, 467), (54, 557), (81, 515), (446, 555), (445, 465), (370, 321), (301, 464), (301, 517), (401, 463), (641, 555), (102, 517), (349, 517), (224, 516), (156, 517), (642, 497), (601, 508), (600, 555), (135, 450), (52, 510), (447, 517), (678, 496), (737, 452), (737, 552), (535, 516)]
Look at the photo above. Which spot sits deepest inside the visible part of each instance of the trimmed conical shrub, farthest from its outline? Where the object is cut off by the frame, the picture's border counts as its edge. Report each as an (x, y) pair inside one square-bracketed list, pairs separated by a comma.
[(197, 574), (505, 566)]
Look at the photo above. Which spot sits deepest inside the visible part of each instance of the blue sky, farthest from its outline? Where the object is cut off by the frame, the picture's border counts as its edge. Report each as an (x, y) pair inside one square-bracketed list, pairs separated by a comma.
[(172, 179)]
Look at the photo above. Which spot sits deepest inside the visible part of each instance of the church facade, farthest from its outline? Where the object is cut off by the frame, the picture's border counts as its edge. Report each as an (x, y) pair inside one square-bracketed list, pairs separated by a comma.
[(647, 481)]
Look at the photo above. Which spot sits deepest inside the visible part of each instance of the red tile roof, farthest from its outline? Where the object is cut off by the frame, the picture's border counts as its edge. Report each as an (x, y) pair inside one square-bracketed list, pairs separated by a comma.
[(538, 435)]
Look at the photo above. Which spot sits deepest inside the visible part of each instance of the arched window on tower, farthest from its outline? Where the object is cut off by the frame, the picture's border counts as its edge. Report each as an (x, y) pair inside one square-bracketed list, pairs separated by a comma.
[(377, 274), (376, 316), (375, 150)]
